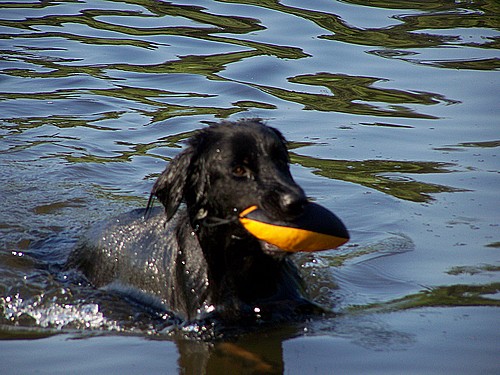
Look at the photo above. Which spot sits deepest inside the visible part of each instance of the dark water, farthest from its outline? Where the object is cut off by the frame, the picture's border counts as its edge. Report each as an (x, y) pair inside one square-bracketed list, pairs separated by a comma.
[(392, 111)]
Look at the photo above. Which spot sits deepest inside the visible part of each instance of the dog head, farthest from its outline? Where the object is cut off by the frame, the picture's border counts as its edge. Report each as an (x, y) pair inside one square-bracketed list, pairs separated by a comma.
[(228, 167)]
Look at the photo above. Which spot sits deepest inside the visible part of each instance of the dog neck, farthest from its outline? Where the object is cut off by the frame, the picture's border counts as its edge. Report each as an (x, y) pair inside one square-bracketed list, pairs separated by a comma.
[(241, 276)]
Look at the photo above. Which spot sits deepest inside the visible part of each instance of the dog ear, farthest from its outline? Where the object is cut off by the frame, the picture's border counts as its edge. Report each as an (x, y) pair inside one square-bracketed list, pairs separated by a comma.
[(169, 187)]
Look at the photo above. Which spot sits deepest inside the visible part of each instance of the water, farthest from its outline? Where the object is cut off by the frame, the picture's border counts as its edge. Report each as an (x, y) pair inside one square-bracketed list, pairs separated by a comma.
[(392, 113)]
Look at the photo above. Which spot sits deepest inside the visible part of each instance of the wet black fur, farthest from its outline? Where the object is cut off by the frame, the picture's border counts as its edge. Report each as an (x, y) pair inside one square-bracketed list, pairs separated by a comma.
[(194, 255)]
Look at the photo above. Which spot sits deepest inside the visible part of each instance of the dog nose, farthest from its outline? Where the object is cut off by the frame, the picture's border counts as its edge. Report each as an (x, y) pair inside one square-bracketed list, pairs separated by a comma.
[(293, 203)]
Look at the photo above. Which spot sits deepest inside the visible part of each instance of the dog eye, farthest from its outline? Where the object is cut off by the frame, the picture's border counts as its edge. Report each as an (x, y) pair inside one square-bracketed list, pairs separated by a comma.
[(241, 171)]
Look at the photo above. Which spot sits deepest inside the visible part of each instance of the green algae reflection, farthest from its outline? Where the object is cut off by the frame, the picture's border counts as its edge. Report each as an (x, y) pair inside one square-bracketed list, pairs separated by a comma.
[(442, 296), (387, 176), (355, 95)]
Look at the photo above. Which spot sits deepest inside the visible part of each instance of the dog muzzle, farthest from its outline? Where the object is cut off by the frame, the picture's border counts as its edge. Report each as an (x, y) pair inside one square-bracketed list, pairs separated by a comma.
[(315, 229)]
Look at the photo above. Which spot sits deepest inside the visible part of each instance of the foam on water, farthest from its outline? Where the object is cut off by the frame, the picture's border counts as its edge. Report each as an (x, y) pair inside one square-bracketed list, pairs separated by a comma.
[(57, 316)]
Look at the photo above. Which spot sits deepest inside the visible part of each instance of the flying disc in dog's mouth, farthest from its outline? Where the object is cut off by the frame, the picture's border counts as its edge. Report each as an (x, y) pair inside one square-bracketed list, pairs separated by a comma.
[(316, 229)]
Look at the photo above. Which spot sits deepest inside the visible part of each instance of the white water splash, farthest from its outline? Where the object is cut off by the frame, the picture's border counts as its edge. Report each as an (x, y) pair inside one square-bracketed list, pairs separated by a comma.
[(56, 316)]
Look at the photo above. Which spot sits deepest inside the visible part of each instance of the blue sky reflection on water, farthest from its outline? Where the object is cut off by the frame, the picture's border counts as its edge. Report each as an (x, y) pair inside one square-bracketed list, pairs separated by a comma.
[(391, 110)]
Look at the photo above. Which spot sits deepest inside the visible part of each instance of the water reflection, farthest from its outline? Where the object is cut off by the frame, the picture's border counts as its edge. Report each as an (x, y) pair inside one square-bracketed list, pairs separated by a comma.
[(95, 96), (388, 176), (50, 62), (246, 355), (436, 15), (348, 91), (450, 295)]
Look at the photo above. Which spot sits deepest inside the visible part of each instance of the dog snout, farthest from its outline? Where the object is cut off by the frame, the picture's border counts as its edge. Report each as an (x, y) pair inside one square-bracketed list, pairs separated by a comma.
[(283, 199), (292, 203)]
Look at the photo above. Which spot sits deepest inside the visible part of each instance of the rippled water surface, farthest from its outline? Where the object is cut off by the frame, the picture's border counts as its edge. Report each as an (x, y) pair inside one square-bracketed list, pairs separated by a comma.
[(391, 109)]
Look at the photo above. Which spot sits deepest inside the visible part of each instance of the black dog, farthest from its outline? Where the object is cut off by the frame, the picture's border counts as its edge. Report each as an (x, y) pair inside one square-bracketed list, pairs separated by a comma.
[(197, 258)]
